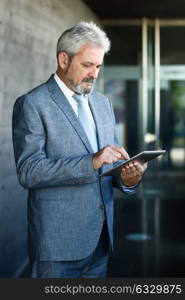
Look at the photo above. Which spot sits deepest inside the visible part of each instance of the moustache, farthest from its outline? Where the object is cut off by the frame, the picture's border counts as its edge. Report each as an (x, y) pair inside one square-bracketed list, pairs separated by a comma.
[(89, 80)]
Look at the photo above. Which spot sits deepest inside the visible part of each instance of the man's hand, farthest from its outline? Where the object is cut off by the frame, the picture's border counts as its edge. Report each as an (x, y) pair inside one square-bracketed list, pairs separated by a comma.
[(108, 155), (132, 173)]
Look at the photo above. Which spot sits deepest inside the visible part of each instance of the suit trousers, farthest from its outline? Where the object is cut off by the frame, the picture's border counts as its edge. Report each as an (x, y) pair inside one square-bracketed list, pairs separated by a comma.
[(93, 266)]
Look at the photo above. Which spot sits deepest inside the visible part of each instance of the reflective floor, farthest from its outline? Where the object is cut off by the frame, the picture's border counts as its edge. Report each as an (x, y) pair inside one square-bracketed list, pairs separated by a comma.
[(150, 230)]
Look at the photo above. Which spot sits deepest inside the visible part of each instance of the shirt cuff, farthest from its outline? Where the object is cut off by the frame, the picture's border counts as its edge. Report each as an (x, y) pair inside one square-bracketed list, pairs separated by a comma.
[(129, 189)]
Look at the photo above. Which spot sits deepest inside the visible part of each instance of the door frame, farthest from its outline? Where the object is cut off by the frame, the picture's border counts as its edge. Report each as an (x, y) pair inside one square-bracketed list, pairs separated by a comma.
[(145, 23)]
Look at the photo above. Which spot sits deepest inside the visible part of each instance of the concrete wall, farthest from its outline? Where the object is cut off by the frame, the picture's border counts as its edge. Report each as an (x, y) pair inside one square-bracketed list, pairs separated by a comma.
[(28, 35)]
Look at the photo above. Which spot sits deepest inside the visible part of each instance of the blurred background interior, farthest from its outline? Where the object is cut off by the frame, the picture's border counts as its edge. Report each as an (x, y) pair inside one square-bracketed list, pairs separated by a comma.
[(144, 76)]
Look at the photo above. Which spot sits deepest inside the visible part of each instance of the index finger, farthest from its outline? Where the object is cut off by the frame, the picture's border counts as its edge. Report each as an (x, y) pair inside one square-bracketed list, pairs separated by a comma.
[(122, 151)]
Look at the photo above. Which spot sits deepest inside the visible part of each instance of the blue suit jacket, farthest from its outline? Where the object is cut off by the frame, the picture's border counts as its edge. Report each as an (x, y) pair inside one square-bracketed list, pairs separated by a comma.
[(54, 161)]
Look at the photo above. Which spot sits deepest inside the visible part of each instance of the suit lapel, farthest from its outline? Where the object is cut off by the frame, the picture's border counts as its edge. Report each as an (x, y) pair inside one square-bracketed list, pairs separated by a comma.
[(59, 98), (95, 109)]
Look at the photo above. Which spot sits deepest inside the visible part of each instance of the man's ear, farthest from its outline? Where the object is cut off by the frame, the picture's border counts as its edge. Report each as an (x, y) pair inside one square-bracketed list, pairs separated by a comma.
[(63, 60)]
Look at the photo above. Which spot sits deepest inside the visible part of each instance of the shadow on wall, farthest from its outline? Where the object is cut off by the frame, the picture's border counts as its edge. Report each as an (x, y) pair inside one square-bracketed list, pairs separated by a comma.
[(13, 229)]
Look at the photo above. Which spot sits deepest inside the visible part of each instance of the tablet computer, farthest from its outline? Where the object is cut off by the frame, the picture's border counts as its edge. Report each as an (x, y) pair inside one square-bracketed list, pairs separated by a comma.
[(142, 157)]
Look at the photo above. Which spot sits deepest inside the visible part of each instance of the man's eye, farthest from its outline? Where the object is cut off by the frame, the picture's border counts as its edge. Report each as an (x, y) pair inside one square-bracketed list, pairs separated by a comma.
[(86, 65)]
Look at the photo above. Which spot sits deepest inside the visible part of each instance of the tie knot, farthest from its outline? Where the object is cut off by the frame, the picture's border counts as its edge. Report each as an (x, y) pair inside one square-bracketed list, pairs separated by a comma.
[(78, 97)]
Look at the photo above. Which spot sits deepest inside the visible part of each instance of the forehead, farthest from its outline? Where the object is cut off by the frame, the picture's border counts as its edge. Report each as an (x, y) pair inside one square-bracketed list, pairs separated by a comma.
[(90, 53)]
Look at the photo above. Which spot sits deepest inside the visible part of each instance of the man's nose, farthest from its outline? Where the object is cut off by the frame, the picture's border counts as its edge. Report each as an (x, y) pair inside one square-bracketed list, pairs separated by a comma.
[(94, 72)]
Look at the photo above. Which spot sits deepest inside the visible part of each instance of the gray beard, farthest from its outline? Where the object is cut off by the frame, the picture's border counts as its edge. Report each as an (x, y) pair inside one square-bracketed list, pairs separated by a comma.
[(79, 88)]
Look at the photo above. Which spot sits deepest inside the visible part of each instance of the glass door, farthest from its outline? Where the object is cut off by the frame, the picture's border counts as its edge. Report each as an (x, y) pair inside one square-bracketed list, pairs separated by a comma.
[(162, 102), (122, 81), (172, 94), (129, 82), (145, 79)]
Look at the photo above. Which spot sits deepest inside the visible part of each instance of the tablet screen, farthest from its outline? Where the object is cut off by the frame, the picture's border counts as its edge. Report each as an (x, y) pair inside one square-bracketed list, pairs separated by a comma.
[(142, 157)]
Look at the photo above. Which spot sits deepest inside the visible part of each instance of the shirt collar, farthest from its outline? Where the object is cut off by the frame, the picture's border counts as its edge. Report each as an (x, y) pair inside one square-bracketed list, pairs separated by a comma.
[(67, 92)]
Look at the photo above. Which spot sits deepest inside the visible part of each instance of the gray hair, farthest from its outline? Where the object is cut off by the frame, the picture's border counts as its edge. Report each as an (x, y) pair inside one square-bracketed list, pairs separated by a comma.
[(75, 37)]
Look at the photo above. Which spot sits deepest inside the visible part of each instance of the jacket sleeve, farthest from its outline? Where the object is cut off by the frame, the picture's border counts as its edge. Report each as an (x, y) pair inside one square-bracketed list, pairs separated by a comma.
[(116, 179), (34, 168)]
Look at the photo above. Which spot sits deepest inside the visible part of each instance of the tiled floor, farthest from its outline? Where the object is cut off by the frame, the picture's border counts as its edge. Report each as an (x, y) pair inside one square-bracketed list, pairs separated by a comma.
[(150, 230)]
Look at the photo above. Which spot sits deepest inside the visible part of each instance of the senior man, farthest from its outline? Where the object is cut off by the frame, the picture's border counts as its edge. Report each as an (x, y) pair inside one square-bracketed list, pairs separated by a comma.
[(64, 138)]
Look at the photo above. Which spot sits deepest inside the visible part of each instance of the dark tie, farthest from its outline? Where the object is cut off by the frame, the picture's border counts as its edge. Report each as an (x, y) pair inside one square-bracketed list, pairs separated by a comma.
[(85, 121)]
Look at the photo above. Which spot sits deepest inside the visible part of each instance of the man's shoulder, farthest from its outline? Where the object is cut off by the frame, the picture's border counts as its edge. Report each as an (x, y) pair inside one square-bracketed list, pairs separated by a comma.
[(36, 91), (99, 96), (102, 100), (35, 95)]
